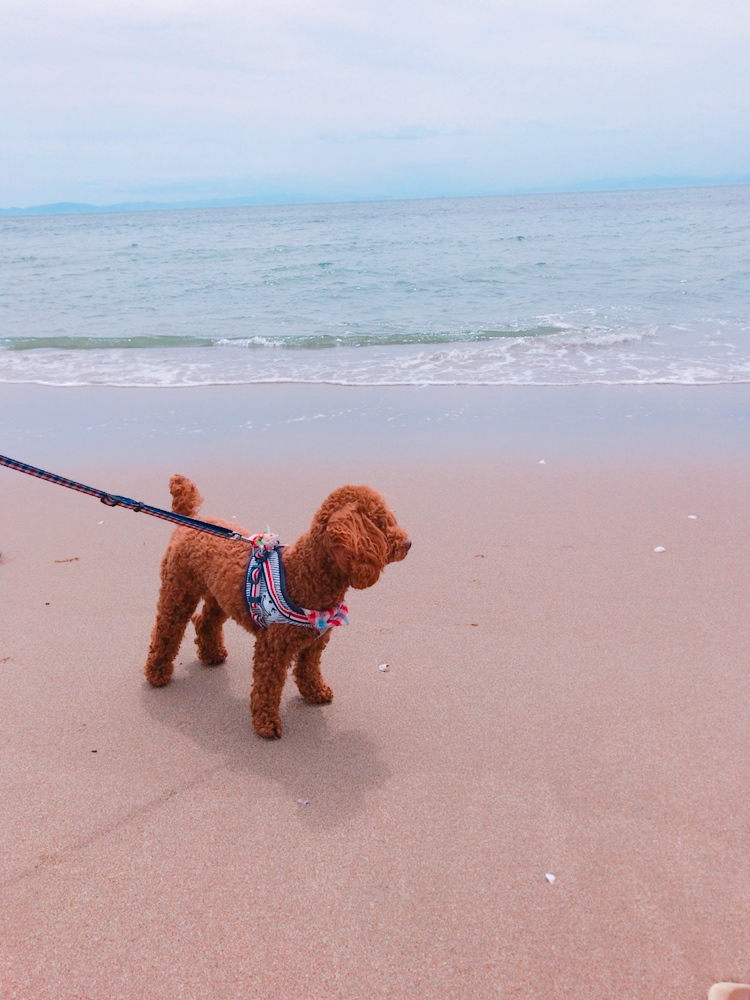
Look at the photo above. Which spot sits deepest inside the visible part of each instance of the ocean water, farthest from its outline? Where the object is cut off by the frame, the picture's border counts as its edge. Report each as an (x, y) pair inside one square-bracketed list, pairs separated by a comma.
[(627, 287)]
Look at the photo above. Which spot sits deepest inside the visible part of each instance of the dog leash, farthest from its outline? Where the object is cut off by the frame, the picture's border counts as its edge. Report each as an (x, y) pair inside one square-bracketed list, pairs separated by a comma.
[(117, 501)]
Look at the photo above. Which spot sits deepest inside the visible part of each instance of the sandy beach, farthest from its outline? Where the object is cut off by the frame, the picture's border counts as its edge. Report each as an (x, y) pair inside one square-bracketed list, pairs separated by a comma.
[(561, 700)]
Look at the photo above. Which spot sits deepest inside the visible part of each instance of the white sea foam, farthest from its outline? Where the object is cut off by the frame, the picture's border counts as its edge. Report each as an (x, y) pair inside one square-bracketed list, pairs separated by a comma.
[(562, 359)]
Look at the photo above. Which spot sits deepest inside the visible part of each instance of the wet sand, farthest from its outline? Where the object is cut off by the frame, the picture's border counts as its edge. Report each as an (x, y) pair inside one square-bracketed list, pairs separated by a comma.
[(561, 699)]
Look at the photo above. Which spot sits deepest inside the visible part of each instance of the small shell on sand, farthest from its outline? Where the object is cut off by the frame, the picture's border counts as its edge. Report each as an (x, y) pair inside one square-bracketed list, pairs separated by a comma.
[(550, 878), (660, 548), (304, 802), (542, 462), (693, 517), (384, 667)]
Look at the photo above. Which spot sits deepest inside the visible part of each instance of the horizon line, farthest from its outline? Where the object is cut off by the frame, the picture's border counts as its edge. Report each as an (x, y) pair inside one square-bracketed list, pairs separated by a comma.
[(608, 185)]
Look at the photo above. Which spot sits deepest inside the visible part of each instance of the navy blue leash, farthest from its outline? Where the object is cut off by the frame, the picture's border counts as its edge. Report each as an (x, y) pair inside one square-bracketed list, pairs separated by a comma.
[(116, 501)]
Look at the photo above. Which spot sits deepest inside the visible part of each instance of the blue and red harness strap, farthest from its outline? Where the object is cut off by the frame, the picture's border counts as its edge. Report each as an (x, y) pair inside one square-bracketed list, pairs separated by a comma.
[(112, 500), (267, 599)]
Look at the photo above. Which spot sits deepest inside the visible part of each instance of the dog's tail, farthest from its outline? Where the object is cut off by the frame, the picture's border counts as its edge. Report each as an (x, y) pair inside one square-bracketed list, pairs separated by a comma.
[(185, 496)]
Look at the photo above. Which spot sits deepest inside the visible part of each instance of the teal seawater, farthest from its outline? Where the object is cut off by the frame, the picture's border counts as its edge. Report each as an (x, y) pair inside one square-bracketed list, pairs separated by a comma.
[(646, 286)]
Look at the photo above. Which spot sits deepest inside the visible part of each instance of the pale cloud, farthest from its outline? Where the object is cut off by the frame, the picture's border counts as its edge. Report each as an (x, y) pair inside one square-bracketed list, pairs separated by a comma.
[(104, 101)]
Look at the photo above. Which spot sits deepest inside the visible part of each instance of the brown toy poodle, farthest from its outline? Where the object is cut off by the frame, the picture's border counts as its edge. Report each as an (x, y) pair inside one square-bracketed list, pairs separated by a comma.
[(353, 536)]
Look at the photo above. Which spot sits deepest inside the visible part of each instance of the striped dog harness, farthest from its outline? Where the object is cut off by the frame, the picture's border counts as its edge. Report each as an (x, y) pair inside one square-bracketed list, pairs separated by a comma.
[(267, 599)]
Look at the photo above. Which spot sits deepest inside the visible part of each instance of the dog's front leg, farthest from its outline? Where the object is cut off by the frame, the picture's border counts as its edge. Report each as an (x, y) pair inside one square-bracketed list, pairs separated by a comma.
[(273, 657), (307, 673)]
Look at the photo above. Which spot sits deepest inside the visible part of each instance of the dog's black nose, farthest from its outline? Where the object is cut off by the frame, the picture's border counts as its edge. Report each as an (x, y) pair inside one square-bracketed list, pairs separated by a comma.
[(407, 544)]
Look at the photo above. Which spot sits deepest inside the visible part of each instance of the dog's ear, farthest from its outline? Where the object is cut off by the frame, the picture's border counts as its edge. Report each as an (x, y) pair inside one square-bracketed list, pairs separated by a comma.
[(358, 546)]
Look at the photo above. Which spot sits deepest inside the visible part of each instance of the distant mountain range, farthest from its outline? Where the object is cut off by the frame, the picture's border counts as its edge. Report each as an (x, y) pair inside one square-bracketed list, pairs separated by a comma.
[(608, 184), (81, 208)]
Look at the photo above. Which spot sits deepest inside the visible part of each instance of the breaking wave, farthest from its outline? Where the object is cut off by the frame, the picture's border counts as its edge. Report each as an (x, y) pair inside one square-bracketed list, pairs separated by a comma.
[(540, 355), (308, 343)]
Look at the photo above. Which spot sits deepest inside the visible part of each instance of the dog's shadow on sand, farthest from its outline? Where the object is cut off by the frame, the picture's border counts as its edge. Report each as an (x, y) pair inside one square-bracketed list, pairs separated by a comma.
[(334, 770)]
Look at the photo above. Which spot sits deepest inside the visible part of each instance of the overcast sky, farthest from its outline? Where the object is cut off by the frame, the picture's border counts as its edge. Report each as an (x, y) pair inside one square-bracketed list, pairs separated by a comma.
[(105, 101)]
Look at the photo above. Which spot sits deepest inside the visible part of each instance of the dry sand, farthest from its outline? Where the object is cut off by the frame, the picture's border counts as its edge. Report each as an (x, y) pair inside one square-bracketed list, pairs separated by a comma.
[(561, 699)]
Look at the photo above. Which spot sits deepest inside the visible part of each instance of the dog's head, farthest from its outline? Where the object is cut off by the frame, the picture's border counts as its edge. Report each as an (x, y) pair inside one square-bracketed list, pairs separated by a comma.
[(361, 534)]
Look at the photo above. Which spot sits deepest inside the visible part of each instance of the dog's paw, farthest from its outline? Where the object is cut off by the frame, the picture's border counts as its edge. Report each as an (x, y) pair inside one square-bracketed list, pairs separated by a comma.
[(158, 678), (213, 658), (210, 652), (319, 696), (268, 728)]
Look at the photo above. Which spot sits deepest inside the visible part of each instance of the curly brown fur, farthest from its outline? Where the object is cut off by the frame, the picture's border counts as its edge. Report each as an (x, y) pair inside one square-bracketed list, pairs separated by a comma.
[(353, 536)]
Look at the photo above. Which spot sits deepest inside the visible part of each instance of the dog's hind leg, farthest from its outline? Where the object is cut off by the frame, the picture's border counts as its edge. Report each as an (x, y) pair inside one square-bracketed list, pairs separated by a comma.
[(307, 673), (209, 632), (172, 615)]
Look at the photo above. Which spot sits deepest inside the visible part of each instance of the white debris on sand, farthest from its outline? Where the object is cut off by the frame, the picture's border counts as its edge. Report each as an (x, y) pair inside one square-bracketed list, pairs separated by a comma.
[(384, 667), (660, 548), (729, 991), (550, 877)]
